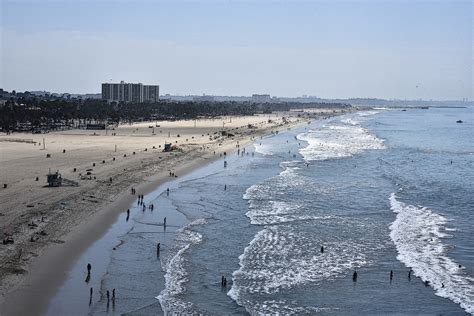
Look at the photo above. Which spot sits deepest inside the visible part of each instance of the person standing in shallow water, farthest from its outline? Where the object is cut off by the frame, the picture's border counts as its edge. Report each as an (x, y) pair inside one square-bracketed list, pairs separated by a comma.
[(89, 268), (354, 276)]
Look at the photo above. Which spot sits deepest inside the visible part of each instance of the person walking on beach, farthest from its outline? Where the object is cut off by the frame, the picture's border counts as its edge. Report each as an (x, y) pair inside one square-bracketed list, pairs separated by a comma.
[(391, 275), (409, 275), (108, 297), (167, 191), (158, 249), (113, 295), (164, 222)]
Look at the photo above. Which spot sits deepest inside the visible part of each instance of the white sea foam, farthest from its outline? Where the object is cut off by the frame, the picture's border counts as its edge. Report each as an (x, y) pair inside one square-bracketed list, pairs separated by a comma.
[(418, 234), (338, 140), (350, 121), (263, 149), (283, 307), (367, 113), (267, 204), (280, 257), (176, 275)]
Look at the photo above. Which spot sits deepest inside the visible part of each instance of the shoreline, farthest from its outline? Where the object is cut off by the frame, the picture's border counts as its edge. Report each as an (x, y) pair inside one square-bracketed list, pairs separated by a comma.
[(42, 284), (50, 270)]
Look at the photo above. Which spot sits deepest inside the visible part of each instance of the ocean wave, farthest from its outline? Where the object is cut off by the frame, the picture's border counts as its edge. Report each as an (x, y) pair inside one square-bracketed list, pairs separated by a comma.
[(279, 212), (350, 121), (418, 234), (267, 204), (280, 257), (176, 275), (284, 307), (338, 140), (263, 149), (367, 113)]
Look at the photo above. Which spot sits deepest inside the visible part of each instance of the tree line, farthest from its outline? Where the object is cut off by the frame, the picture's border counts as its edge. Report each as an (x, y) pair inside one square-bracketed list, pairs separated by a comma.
[(36, 114), (39, 114)]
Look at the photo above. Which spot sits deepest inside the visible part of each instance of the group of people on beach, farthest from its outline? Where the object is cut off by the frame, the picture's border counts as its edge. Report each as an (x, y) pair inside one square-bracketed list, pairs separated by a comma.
[(91, 290)]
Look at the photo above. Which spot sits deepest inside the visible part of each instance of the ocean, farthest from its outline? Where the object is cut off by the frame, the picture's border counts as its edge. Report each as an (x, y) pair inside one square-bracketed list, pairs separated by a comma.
[(291, 217)]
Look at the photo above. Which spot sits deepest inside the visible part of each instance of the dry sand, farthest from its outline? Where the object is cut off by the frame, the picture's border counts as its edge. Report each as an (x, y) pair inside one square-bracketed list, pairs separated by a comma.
[(72, 217)]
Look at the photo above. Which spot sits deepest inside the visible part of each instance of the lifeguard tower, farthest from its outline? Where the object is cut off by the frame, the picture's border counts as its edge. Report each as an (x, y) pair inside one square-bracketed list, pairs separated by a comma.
[(54, 179)]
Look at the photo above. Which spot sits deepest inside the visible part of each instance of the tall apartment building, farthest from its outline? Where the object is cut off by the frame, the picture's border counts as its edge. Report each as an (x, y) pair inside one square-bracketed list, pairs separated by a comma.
[(130, 92)]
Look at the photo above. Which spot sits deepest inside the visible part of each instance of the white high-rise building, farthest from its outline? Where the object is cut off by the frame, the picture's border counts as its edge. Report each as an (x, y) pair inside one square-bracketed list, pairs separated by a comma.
[(130, 92)]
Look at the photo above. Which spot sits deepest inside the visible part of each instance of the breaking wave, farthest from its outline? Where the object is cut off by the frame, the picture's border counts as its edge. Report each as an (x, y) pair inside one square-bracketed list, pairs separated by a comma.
[(418, 234), (176, 275), (338, 140), (282, 256)]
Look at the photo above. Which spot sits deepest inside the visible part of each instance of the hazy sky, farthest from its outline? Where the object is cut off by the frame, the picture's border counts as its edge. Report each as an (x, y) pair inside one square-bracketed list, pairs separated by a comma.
[(389, 49)]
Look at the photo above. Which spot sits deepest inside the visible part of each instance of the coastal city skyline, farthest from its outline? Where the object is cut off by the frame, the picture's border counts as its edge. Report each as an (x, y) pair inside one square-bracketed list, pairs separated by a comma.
[(390, 50)]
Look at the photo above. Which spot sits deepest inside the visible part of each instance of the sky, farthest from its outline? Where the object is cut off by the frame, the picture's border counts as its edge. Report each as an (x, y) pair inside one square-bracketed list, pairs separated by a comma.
[(330, 49)]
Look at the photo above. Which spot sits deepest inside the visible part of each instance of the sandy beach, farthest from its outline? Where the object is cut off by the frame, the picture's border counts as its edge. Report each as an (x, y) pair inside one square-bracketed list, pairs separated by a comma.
[(51, 227)]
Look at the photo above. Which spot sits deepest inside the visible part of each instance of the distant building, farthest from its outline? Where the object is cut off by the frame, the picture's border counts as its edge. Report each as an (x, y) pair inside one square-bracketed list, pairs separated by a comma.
[(130, 92), (204, 98), (261, 98)]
